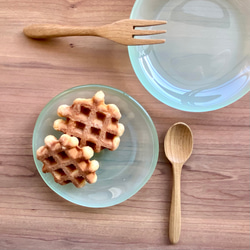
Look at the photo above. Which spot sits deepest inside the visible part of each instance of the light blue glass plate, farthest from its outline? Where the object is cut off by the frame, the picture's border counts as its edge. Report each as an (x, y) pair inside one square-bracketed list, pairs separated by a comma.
[(204, 64), (122, 172)]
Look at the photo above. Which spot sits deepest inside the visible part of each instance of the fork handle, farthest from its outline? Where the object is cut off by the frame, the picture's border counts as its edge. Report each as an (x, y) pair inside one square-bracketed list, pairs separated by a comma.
[(43, 31)]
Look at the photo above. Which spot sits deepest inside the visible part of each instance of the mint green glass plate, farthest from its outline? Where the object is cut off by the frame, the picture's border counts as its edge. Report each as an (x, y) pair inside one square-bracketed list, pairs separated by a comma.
[(122, 172), (204, 64)]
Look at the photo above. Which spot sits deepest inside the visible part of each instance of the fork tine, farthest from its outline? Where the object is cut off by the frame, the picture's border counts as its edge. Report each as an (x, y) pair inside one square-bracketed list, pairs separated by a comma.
[(147, 41), (148, 32), (145, 23)]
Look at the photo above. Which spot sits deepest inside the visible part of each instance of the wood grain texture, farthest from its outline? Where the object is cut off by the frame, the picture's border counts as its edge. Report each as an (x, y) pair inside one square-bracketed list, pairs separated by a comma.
[(215, 180), (121, 31), (178, 147)]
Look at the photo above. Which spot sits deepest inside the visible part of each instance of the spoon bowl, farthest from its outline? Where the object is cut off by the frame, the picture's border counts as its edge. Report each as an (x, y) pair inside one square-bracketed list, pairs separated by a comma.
[(178, 146), (178, 143)]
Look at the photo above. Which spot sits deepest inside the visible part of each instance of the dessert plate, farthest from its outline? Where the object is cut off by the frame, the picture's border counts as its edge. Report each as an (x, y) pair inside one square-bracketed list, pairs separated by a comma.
[(204, 64), (122, 172)]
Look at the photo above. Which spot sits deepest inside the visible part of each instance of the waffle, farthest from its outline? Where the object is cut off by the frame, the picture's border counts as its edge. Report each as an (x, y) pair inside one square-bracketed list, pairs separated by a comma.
[(67, 162), (93, 122)]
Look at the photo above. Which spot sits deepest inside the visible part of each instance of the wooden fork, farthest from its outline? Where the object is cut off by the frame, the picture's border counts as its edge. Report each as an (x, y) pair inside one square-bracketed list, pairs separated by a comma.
[(122, 31)]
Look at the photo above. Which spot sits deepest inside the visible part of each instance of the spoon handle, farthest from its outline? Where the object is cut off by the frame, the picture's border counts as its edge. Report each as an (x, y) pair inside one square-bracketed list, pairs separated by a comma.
[(175, 209)]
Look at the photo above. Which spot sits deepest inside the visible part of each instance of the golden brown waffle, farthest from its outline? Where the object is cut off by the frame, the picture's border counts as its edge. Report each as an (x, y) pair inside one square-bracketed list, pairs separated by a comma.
[(67, 162), (93, 122)]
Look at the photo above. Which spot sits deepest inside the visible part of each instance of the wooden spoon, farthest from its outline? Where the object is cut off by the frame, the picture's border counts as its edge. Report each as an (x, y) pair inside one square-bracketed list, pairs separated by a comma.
[(178, 146)]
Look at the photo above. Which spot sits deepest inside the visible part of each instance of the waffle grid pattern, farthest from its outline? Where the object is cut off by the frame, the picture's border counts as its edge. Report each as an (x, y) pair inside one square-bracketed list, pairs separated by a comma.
[(67, 162), (93, 122)]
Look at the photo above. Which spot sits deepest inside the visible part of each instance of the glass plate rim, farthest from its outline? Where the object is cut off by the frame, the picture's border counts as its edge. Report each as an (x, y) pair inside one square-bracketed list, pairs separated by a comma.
[(156, 95), (155, 141)]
